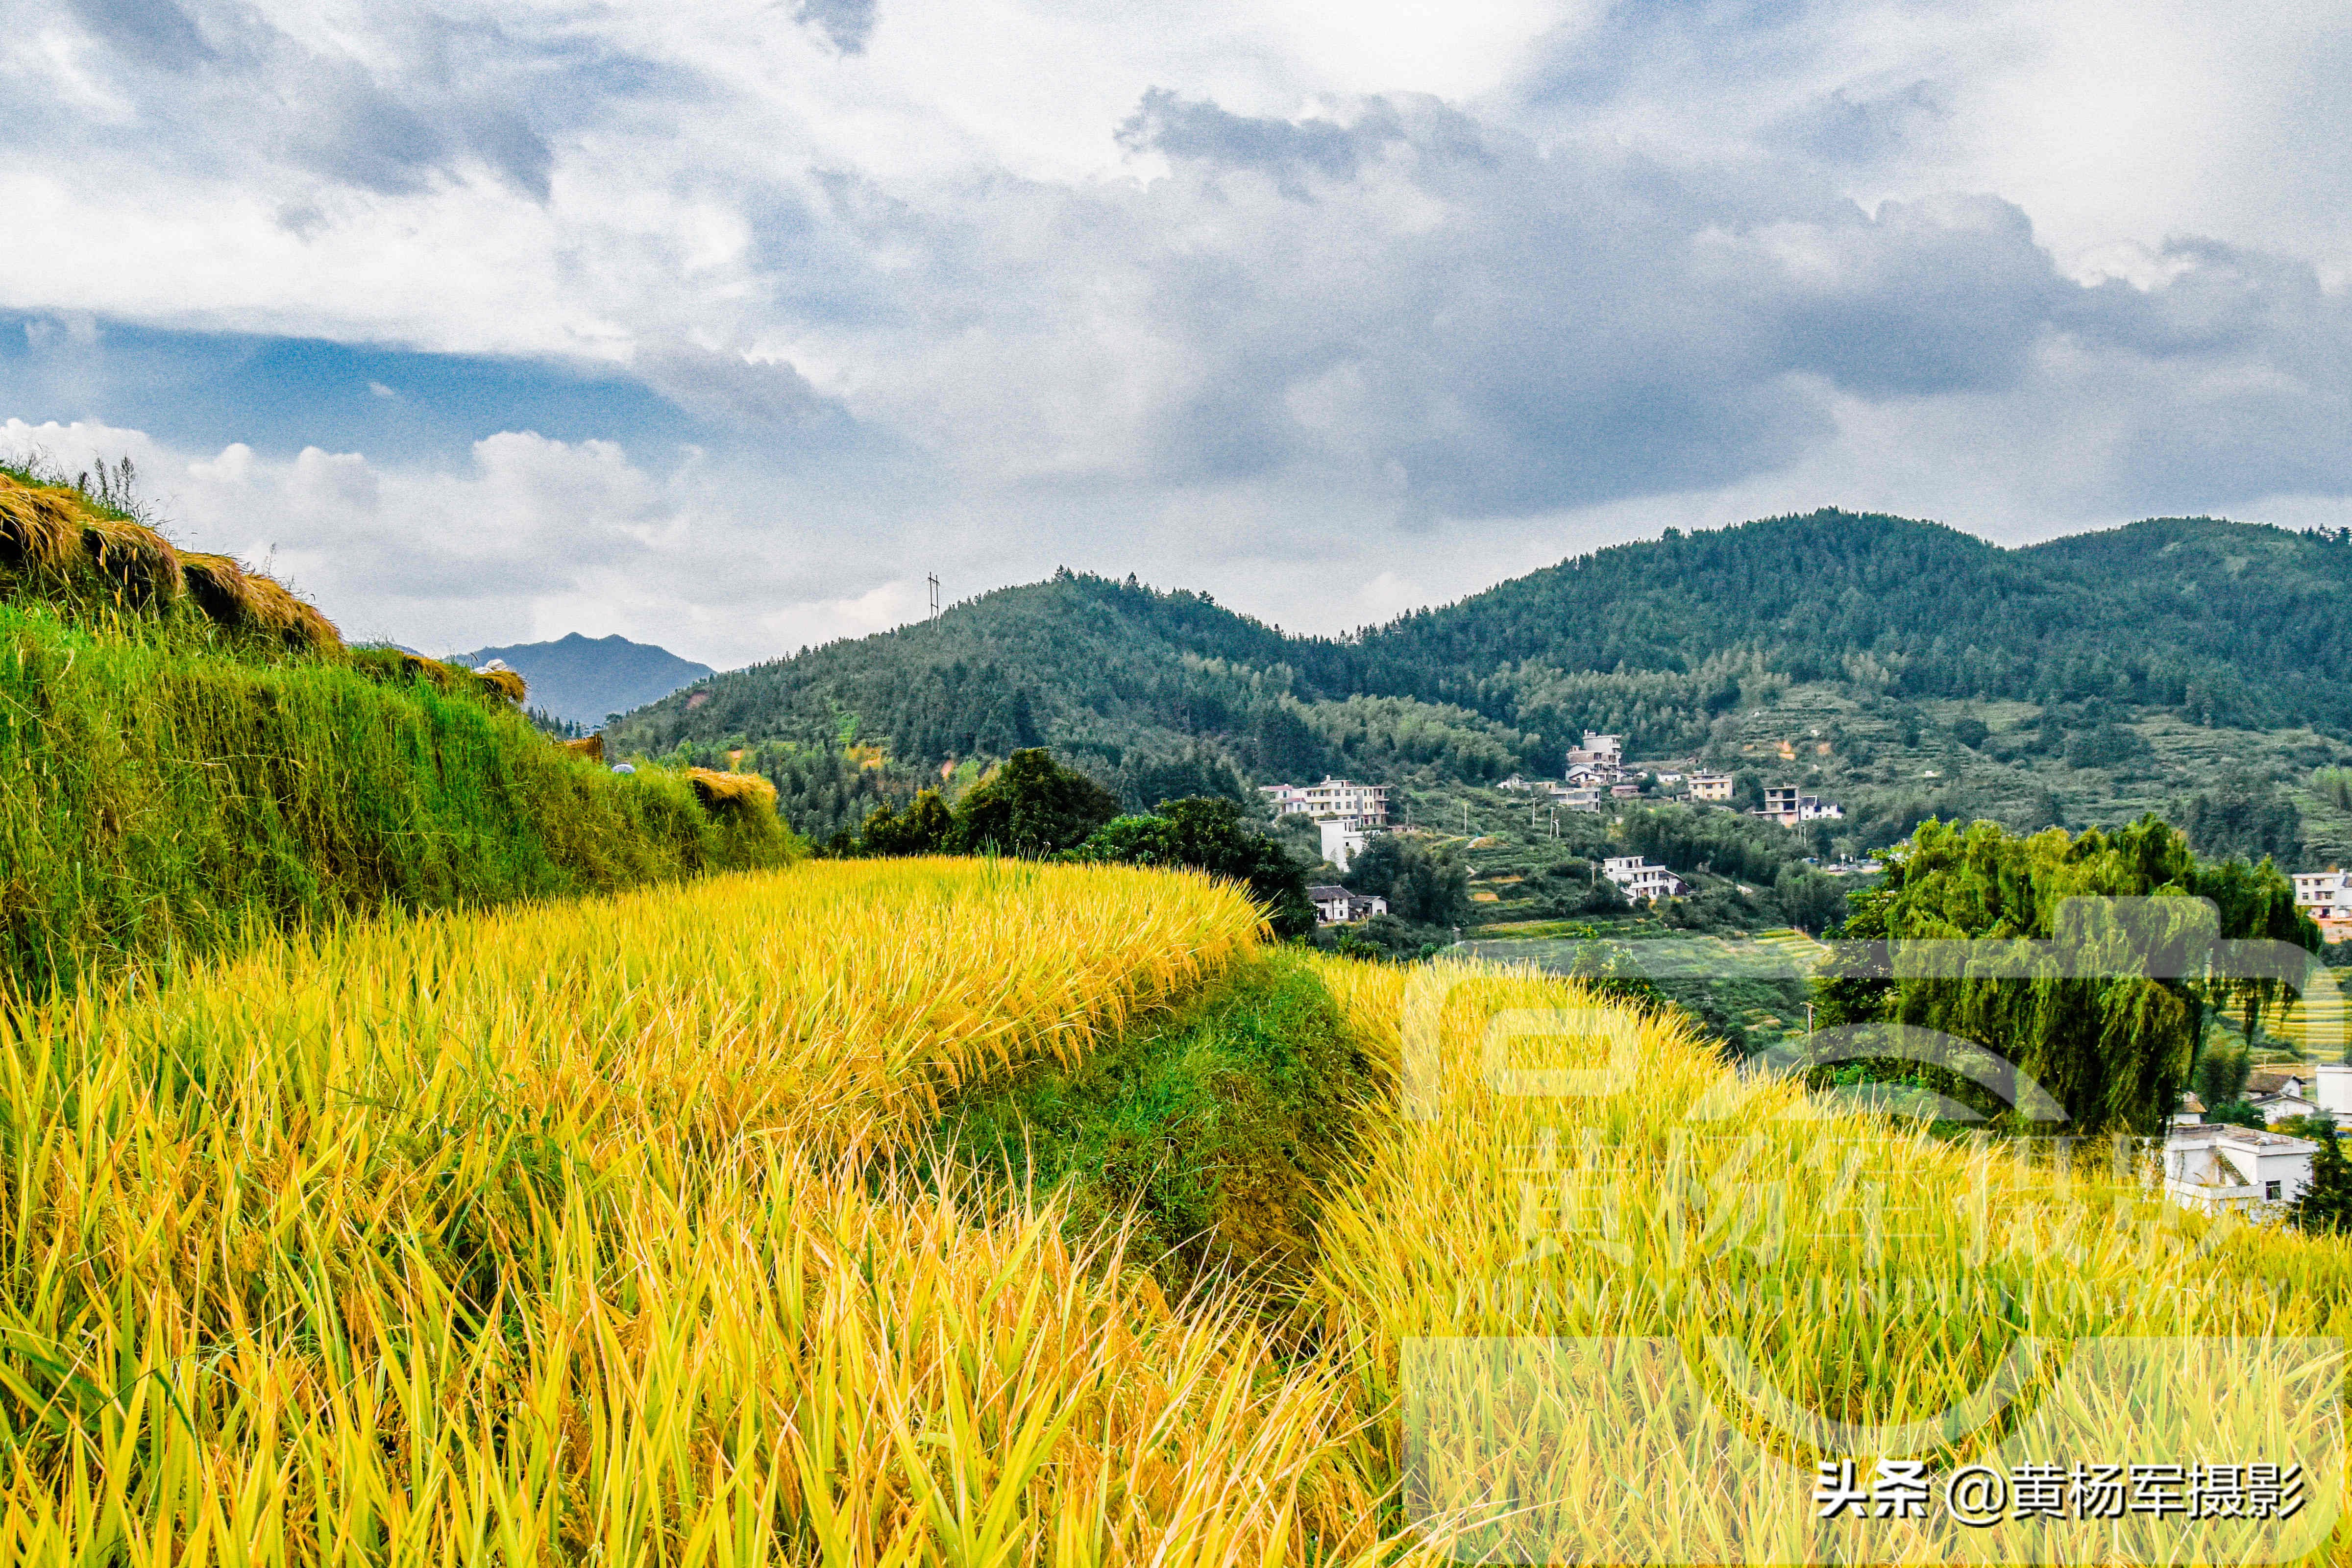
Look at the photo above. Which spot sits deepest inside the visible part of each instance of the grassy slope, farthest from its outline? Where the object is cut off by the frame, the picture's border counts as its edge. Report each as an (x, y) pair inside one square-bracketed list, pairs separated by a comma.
[(167, 782), (1218, 1124)]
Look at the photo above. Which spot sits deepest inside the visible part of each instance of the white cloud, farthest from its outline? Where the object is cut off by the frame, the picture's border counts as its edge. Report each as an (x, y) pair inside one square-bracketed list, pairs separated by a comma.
[(1235, 295)]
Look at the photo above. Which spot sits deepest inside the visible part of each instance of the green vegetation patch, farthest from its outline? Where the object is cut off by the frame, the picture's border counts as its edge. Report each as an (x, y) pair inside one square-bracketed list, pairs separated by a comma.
[(160, 790), (1218, 1123)]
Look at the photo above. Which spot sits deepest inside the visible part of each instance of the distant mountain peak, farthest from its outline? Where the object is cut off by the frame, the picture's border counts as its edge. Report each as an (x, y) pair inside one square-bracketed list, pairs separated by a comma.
[(584, 679)]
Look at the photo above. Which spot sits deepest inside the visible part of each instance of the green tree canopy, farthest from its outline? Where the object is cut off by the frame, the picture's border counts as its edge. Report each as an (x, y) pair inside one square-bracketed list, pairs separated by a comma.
[(1031, 806), (1424, 885), (925, 827), (2114, 1049), (1211, 836)]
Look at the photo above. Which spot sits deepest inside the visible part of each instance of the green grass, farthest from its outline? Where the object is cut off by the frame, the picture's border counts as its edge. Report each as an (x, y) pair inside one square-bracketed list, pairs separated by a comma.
[(165, 786), (1218, 1124)]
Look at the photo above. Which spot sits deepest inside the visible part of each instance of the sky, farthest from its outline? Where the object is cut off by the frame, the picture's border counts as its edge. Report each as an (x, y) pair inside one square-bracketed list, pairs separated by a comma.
[(724, 323)]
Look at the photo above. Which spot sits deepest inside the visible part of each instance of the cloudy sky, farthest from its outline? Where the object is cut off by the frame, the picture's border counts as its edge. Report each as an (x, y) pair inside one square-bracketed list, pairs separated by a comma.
[(720, 324)]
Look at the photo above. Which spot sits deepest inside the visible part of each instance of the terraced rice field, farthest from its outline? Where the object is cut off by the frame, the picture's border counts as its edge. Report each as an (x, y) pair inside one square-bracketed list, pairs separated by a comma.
[(582, 1233)]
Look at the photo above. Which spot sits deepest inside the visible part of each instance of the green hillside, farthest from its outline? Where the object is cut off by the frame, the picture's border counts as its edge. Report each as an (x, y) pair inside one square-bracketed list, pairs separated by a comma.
[(187, 750), (1910, 667)]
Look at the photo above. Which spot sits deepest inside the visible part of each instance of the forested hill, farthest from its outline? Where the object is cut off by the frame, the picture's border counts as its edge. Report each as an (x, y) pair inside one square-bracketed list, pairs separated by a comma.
[(2234, 623), (2215, 622)]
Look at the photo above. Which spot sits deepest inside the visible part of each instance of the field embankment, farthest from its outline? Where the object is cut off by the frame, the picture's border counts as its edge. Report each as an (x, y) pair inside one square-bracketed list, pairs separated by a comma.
[(1209, 1130), (188, 751)]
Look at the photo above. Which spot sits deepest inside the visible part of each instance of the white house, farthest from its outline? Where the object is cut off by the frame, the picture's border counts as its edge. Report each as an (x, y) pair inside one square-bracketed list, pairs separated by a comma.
[(2190, 1112), (1358, 806), (1577, 799), (2222, 1169), (1785, 805), (1342, 843), (2326, 898), (1640, 879), (1336, 906), (2280, 1092)]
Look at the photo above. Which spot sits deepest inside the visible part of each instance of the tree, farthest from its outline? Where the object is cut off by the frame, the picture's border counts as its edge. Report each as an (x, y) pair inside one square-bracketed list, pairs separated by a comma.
[(925, 827), (2326, 1205), (2114, 1046), (1809, 900), (1209, 835), (1423, 885), (2220, 1074), (1030, 806), (2245, 817)]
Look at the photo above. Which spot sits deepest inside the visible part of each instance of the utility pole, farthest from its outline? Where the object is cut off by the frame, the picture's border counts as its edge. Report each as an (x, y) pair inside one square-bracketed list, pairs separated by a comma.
[(935, 596)]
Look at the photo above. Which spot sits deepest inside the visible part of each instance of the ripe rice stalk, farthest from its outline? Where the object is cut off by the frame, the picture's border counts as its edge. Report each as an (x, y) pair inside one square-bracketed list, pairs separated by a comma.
[(1873, 1275), (589, 746), (553, 1235)]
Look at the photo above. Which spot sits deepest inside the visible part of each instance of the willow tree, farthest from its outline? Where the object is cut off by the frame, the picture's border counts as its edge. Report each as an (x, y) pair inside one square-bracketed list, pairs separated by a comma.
[(2105, 1006)]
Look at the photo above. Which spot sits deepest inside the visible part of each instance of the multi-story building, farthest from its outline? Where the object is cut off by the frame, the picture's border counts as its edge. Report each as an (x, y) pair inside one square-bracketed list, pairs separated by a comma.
[(1359, 806), (1710, 786), (2326, 898), (1784, 804), (1599, 750), (1640, 879)]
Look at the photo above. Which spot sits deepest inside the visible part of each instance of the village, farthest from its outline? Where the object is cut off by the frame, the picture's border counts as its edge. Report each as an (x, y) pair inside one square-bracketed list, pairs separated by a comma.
[(2212, 1166)]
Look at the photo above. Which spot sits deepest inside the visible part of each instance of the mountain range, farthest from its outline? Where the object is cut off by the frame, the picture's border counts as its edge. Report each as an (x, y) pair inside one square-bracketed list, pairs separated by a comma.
[(583, 680), (2074, 679)]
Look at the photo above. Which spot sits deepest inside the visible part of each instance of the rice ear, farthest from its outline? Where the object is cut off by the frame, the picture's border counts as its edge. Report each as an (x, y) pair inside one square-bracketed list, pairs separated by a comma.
[(39, 529)]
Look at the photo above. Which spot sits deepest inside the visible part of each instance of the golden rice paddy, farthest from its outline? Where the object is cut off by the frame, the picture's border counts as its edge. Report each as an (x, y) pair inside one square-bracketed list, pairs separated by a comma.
[(575, 1233)]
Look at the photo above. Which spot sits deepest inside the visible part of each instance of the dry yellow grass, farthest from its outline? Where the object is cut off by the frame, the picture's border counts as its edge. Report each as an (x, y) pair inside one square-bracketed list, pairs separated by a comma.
[(41, 527), (731, 792), (47, 529)]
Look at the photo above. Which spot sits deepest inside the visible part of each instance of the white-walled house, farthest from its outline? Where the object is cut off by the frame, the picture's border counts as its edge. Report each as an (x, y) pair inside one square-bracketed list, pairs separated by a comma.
[(1342, 843), (1358, 806), (2326, 898), (1336, 906), (2235, 1170), (1640, 879)]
